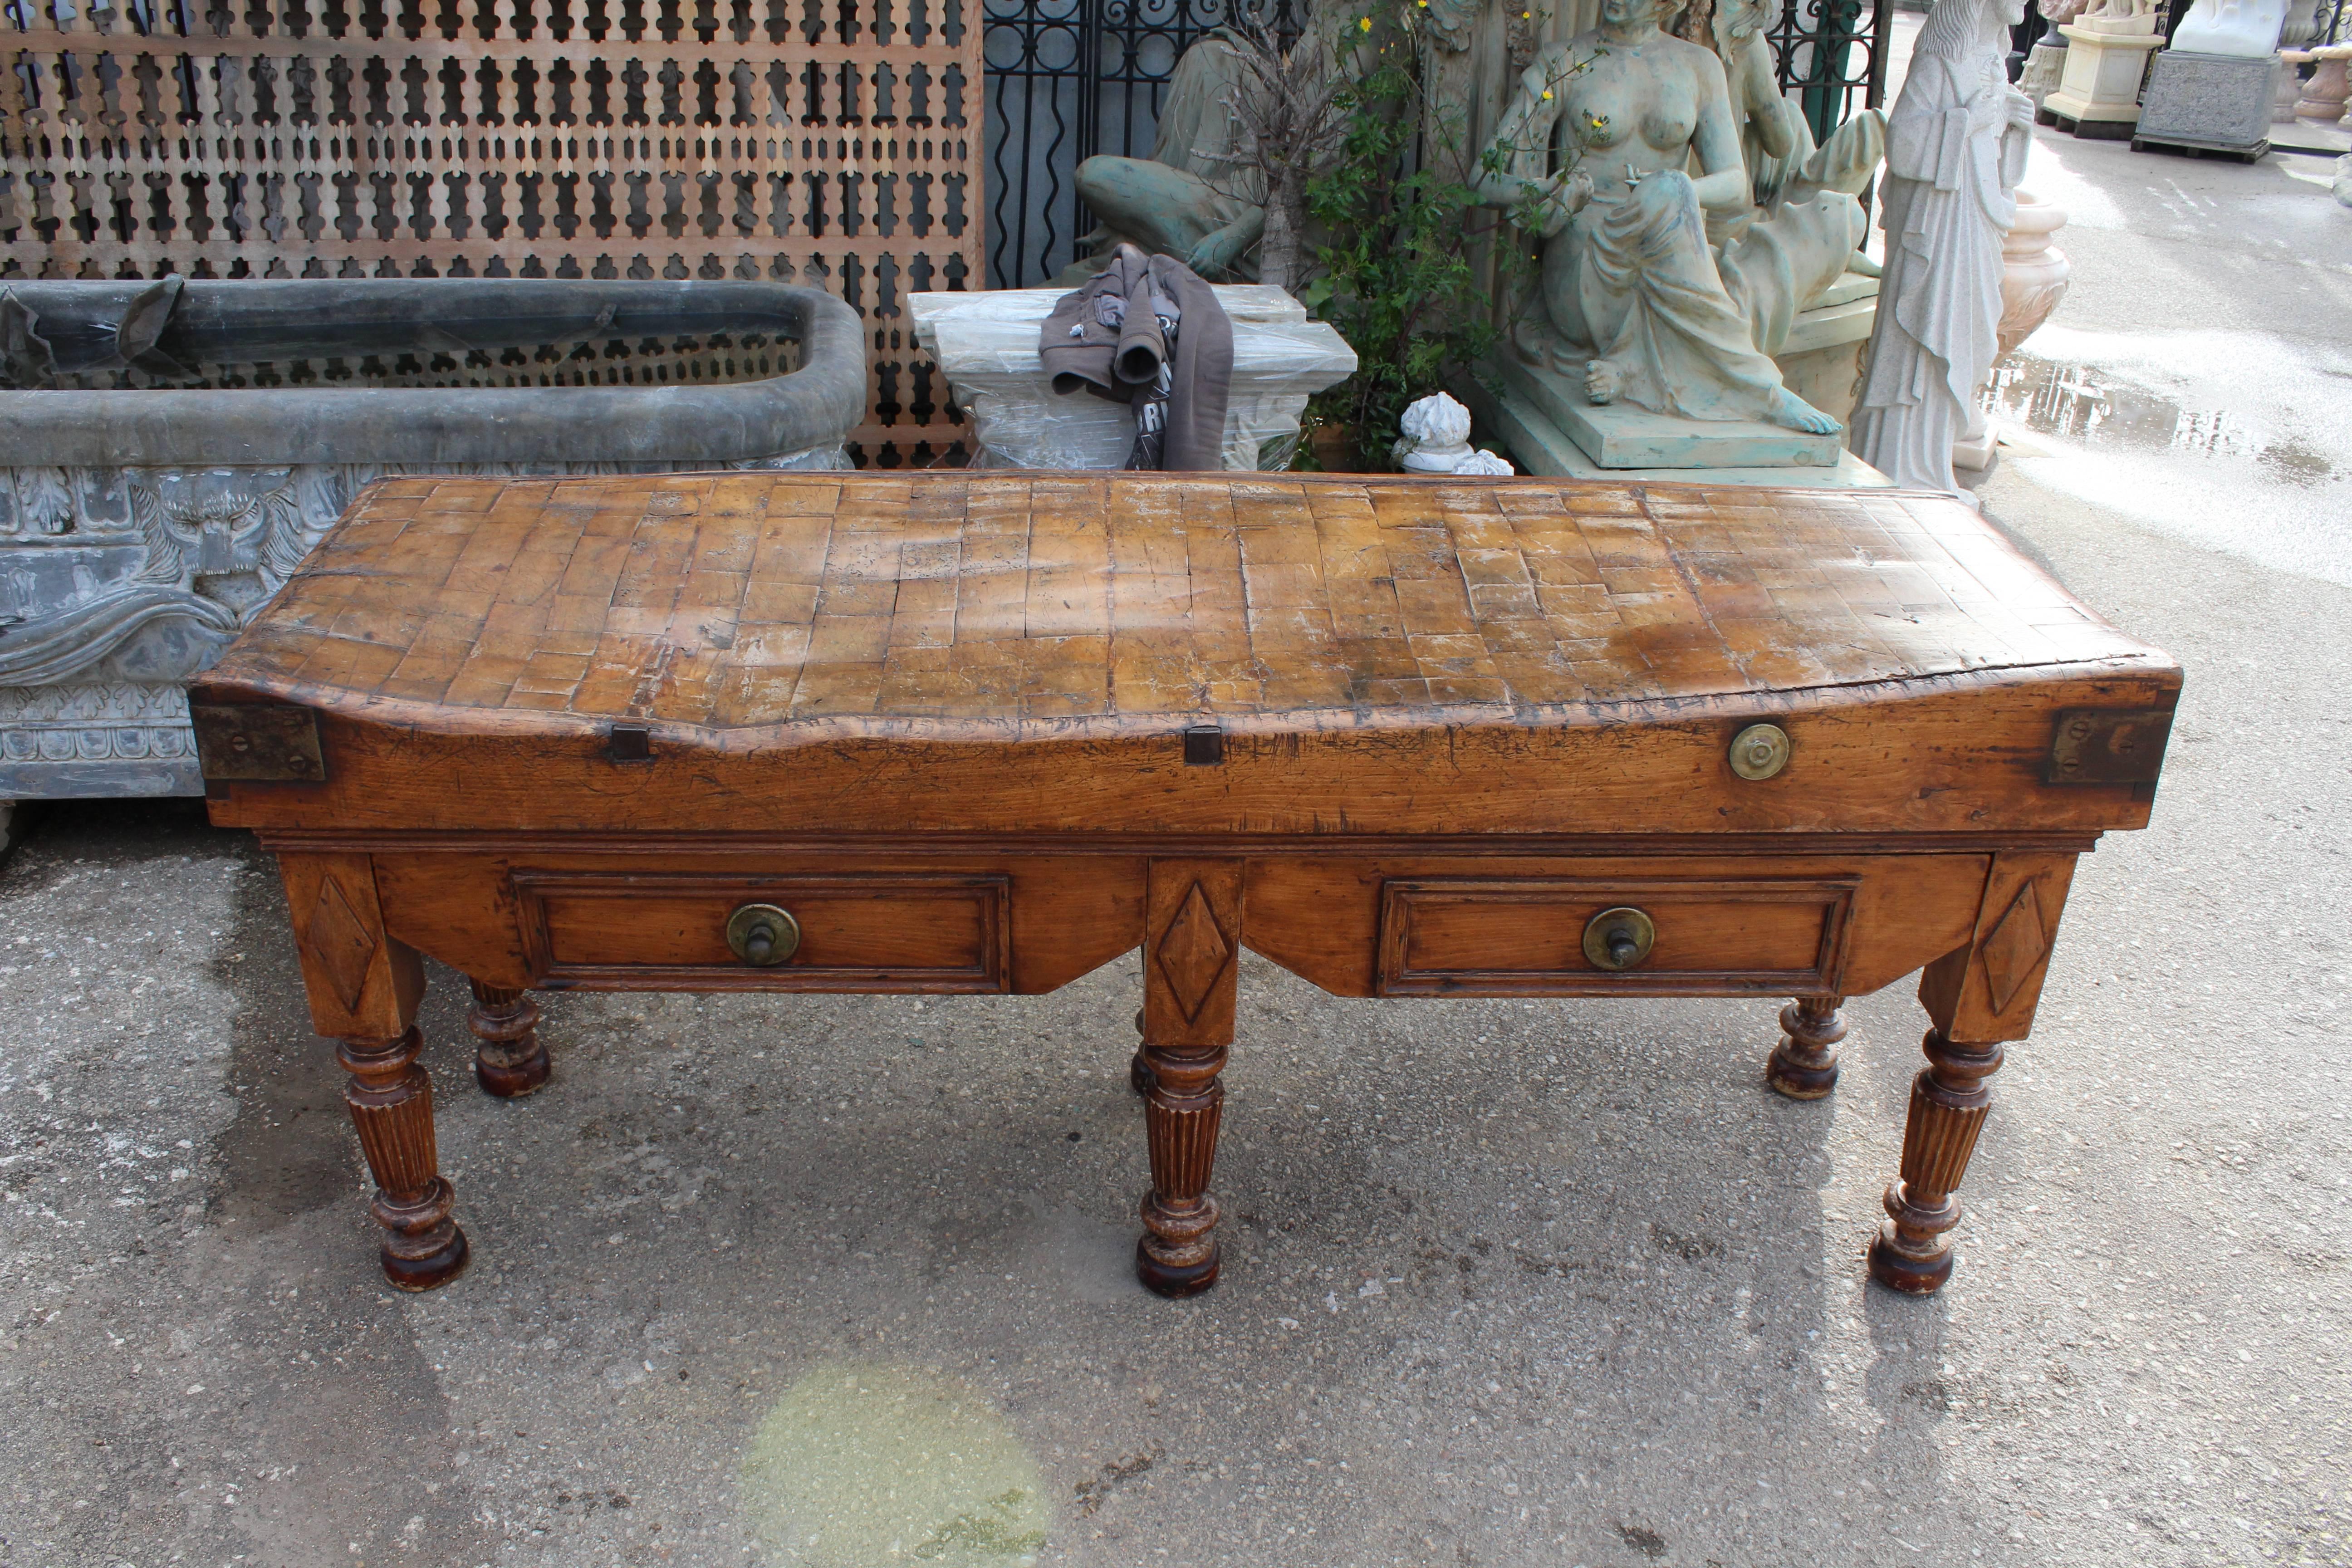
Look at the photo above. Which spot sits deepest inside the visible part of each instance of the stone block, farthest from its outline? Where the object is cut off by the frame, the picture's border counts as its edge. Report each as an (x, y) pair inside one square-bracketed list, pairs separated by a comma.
[(986, 345), (2216, 103)]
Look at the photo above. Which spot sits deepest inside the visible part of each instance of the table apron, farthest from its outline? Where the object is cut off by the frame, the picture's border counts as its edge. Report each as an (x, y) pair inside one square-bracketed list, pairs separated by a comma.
[(1423, 920)]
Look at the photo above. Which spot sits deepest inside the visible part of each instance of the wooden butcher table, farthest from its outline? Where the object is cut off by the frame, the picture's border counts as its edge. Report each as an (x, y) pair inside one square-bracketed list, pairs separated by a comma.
[(941, 732)]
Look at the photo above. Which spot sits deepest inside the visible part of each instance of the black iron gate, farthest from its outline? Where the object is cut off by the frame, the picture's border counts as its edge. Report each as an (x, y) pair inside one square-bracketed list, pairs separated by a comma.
[(1068, 78), (1827, 52)]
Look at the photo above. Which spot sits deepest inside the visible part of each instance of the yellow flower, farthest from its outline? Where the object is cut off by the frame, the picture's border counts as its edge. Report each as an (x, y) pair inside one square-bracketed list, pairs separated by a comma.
[(1364, 24), (1547, 95)]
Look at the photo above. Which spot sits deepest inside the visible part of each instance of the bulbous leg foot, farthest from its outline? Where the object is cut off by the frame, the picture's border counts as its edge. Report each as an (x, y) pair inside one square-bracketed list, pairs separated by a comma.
[(1804, 1064), (509, 1062), (1139, 1070)]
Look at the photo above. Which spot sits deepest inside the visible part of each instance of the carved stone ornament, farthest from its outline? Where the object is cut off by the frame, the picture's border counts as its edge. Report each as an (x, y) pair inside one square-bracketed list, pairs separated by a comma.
[(118, 584), (129, 556)]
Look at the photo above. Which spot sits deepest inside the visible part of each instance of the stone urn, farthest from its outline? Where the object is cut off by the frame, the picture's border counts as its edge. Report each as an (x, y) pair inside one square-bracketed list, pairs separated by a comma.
[(2033, 271), (2324, 94), (2288, 85)]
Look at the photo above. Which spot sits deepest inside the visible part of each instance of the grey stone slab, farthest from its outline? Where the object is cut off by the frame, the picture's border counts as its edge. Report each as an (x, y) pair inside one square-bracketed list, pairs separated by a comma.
[(2220, 102)]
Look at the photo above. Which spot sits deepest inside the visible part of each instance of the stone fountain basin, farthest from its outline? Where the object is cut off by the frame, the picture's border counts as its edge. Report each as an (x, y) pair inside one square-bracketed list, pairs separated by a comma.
[(152, 497)]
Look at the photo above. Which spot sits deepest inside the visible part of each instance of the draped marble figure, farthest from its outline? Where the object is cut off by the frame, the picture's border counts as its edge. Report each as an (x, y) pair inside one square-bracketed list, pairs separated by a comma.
[(1595, 149), (1956, 147)]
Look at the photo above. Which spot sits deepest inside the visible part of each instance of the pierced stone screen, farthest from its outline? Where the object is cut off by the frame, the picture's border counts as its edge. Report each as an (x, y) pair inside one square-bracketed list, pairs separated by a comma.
[(828, 143)]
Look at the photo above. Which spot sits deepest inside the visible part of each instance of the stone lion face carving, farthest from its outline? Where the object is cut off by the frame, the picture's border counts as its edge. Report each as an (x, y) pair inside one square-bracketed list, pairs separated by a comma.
[(207, 530)]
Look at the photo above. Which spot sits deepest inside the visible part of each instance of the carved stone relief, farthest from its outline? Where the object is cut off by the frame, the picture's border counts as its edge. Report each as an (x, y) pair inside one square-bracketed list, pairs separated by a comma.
[(118, 584)]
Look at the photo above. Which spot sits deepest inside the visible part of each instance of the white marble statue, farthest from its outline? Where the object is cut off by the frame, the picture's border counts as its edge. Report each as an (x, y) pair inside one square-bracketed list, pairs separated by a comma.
[(2118, 17), (1436, 440), (2248, 28), (1956, 148), (1435, 435)]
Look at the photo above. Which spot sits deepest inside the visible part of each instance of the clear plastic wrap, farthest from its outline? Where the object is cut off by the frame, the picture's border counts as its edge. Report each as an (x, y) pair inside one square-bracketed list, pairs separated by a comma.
[(987, 345)]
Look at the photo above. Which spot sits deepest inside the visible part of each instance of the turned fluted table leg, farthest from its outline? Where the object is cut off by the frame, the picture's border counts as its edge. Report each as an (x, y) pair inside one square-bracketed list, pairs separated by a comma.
[(391, 1105), (1191, 963), (1978, 997), (364, 985), (509, 1062), (1804, 1064), (1948, 1103)]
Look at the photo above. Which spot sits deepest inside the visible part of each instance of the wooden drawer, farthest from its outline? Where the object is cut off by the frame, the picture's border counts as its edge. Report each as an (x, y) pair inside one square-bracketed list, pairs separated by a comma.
[(1468, 936), (882, 931)]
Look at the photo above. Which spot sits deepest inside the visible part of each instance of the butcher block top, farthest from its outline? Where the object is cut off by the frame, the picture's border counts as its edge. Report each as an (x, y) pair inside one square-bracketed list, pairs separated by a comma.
[(953, 651)]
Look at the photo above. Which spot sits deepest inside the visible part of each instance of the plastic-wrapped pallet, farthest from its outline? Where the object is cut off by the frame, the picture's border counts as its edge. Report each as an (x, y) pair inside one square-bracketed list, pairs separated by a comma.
[(987, 345)]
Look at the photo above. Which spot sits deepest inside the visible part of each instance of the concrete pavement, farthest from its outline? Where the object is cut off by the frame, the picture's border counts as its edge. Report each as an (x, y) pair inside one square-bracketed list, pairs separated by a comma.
[(845, 1281)]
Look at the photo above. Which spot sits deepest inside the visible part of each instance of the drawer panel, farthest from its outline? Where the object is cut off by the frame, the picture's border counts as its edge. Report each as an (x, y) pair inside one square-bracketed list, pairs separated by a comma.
[(1464, 936), (883, 931)]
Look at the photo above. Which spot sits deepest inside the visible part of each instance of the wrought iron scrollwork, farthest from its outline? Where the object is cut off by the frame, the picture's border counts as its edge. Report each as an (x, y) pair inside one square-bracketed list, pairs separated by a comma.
[(1067, 79), (1830, 52)]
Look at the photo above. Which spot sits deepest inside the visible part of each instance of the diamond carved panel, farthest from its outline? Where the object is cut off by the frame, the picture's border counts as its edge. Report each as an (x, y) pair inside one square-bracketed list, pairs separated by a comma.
[(1193, 952), (2016, 947), (341, 942)]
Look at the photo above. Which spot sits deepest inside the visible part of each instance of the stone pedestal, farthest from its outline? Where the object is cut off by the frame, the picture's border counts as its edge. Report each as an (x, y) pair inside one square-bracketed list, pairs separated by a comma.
[(1625, 435), (1822, 359), (2326, 88), (2288, 85), (2099, 95), (2045, 68), (986, 344), (2211, 103), (1551, 428)]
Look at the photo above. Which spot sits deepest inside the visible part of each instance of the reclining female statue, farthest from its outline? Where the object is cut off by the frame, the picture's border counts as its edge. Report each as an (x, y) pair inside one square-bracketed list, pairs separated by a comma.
[(1596, 149)]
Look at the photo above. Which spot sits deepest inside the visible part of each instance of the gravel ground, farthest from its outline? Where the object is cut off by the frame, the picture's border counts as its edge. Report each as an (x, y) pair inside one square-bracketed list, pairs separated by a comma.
[(846, 1281)]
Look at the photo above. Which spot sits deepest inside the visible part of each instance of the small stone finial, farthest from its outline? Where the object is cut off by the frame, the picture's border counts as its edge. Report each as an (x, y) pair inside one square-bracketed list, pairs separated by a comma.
[(1484, 461), (1436, 436)]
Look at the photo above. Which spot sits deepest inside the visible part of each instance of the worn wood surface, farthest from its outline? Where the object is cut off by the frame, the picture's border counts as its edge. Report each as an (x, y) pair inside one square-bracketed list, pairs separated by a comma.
[(1390, 656), (942, 721)]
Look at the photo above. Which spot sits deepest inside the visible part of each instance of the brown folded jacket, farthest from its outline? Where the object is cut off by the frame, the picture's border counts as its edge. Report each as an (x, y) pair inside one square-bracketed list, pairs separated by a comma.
[(1120, 363)]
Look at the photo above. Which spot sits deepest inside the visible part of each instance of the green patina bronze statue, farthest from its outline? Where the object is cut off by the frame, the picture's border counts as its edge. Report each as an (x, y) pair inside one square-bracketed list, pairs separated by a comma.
[(1623, 150)]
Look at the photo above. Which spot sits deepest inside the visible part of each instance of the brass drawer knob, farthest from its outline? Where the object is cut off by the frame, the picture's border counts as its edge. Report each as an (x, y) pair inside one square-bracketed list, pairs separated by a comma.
[(762, 934), (1618, 938), (1760, 751)]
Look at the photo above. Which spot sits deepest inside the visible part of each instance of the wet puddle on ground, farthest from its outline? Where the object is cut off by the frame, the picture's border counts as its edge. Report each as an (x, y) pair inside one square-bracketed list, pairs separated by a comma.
[(866, 1464), (2233, 440), (2090, 406)]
